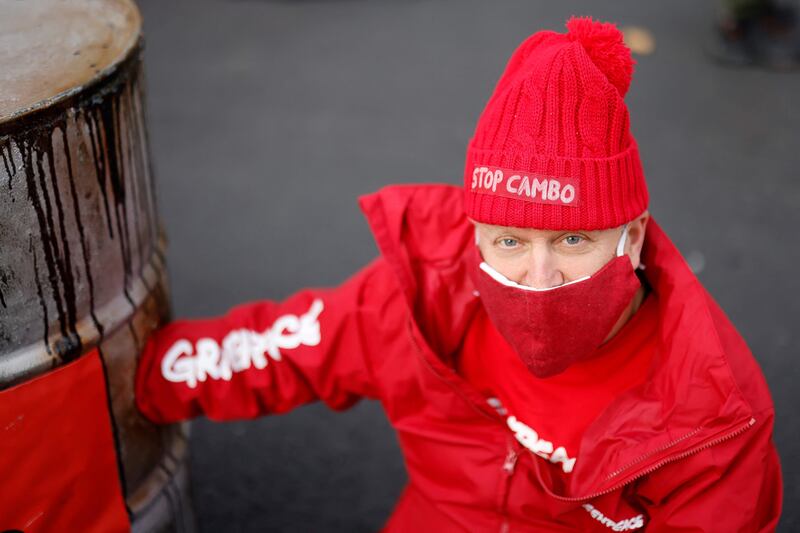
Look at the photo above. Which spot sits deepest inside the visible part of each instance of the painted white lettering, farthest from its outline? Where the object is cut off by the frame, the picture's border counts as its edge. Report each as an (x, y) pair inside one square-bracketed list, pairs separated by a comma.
[(498, 177), (528, 437), (235, 350), (524, 187), (178, 365), (543, 448), (525, 434), (567, 194), (487, 180), (540, 186), (511, 188), (240, 349), (208, 363), (258, 349), (628, 524), (481, 173), (560, 456), (554, 190)]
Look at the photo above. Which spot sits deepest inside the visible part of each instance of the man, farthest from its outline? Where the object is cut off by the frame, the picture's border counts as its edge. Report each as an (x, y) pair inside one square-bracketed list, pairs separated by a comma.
[(546, 356)]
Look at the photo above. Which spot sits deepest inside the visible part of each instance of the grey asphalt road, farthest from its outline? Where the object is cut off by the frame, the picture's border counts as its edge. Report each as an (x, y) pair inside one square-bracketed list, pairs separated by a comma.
[(268, 119)]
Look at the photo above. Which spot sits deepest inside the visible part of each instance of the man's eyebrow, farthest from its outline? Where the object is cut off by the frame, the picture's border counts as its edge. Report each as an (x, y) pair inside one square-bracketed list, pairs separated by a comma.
[(595, 232), (486, 228), (501, 230)]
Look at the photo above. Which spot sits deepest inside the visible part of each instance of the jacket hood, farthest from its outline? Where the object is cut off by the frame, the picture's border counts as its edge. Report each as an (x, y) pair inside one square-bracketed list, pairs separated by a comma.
[(691, 398)]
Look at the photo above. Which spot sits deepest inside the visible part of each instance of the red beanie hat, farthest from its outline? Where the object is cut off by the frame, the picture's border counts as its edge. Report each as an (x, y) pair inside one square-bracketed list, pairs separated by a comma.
[(552, 149)]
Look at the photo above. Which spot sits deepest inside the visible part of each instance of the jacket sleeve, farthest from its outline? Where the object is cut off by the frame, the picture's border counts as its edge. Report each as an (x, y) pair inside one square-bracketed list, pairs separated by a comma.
[(267, 357), (735, 485)]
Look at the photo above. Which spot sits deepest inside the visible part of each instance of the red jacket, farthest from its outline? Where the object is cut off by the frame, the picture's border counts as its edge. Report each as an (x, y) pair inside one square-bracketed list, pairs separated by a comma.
[(690, 450)]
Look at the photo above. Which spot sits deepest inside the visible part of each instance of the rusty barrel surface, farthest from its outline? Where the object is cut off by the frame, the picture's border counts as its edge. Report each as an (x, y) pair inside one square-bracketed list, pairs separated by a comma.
[(81, 245)]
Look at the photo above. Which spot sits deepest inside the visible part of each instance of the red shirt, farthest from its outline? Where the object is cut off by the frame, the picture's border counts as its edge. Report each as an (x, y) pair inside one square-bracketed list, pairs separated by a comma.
[(549, 415)]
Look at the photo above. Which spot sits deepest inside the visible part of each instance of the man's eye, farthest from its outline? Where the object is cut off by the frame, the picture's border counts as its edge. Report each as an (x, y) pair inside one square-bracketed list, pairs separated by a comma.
[(573, 240), (508, 243)]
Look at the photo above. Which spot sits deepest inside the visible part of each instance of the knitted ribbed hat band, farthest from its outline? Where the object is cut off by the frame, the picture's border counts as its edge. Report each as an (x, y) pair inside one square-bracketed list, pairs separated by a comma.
[(552, 149)]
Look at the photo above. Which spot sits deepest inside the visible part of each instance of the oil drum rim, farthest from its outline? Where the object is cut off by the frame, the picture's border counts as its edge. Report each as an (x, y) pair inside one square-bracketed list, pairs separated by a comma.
[(36, 361), (45, 111), (175, 457)]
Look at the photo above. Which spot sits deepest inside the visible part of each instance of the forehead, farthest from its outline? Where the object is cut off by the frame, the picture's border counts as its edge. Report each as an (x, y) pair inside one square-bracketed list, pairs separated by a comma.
[(491, 229)]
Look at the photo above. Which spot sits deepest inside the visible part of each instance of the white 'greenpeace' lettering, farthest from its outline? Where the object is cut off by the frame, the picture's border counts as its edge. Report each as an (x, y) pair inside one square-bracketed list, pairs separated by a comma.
[(623, 525), (525, 186), (240, 349), (528, 437)]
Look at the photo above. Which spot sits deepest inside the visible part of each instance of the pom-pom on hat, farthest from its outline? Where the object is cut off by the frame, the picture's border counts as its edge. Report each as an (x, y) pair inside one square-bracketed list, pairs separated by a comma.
[(552, 148)]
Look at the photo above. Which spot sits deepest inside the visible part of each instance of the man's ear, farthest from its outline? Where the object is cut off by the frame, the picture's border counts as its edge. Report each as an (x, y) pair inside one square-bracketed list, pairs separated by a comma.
[(475, 225), (636, 232)]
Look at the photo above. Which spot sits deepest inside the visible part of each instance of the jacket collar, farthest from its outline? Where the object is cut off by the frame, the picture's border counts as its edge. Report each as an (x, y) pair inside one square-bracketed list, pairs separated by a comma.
[(690, 399)]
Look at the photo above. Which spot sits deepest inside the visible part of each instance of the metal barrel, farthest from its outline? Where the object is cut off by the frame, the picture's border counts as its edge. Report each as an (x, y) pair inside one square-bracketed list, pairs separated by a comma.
[(81, 244)]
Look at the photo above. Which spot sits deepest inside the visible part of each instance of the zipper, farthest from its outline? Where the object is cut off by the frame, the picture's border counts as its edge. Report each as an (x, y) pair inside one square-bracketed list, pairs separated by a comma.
[(671, 459), (509, 465), (511, 457), (654, 452), (510, 462)]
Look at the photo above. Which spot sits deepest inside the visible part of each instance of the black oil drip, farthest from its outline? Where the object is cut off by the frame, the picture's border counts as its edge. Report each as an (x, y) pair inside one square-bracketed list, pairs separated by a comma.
[(114, 430), (135, 178), (8, 161), (94, 107), (134, 165), (99, 163), (76, 210), (99, 118), (28, 149), (40, 294), (72, 345), (142, 169), (103, 115), (116, 174), (3, 283), (141, 118), (107, 111)]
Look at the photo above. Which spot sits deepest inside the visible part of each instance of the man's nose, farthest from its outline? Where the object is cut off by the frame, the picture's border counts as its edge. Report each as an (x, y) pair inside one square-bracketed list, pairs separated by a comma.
[(542, 272)]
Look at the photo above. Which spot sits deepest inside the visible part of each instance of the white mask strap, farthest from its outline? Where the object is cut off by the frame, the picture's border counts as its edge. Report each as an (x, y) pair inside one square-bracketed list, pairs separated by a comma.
[(508, 283), (622, 240)]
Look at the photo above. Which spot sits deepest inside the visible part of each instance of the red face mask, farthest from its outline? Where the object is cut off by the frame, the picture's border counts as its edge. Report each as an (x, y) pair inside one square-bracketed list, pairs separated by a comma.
[(550, 329)]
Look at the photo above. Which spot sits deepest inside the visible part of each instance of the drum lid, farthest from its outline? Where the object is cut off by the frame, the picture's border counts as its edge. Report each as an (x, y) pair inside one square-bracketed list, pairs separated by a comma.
[(49, 49)]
